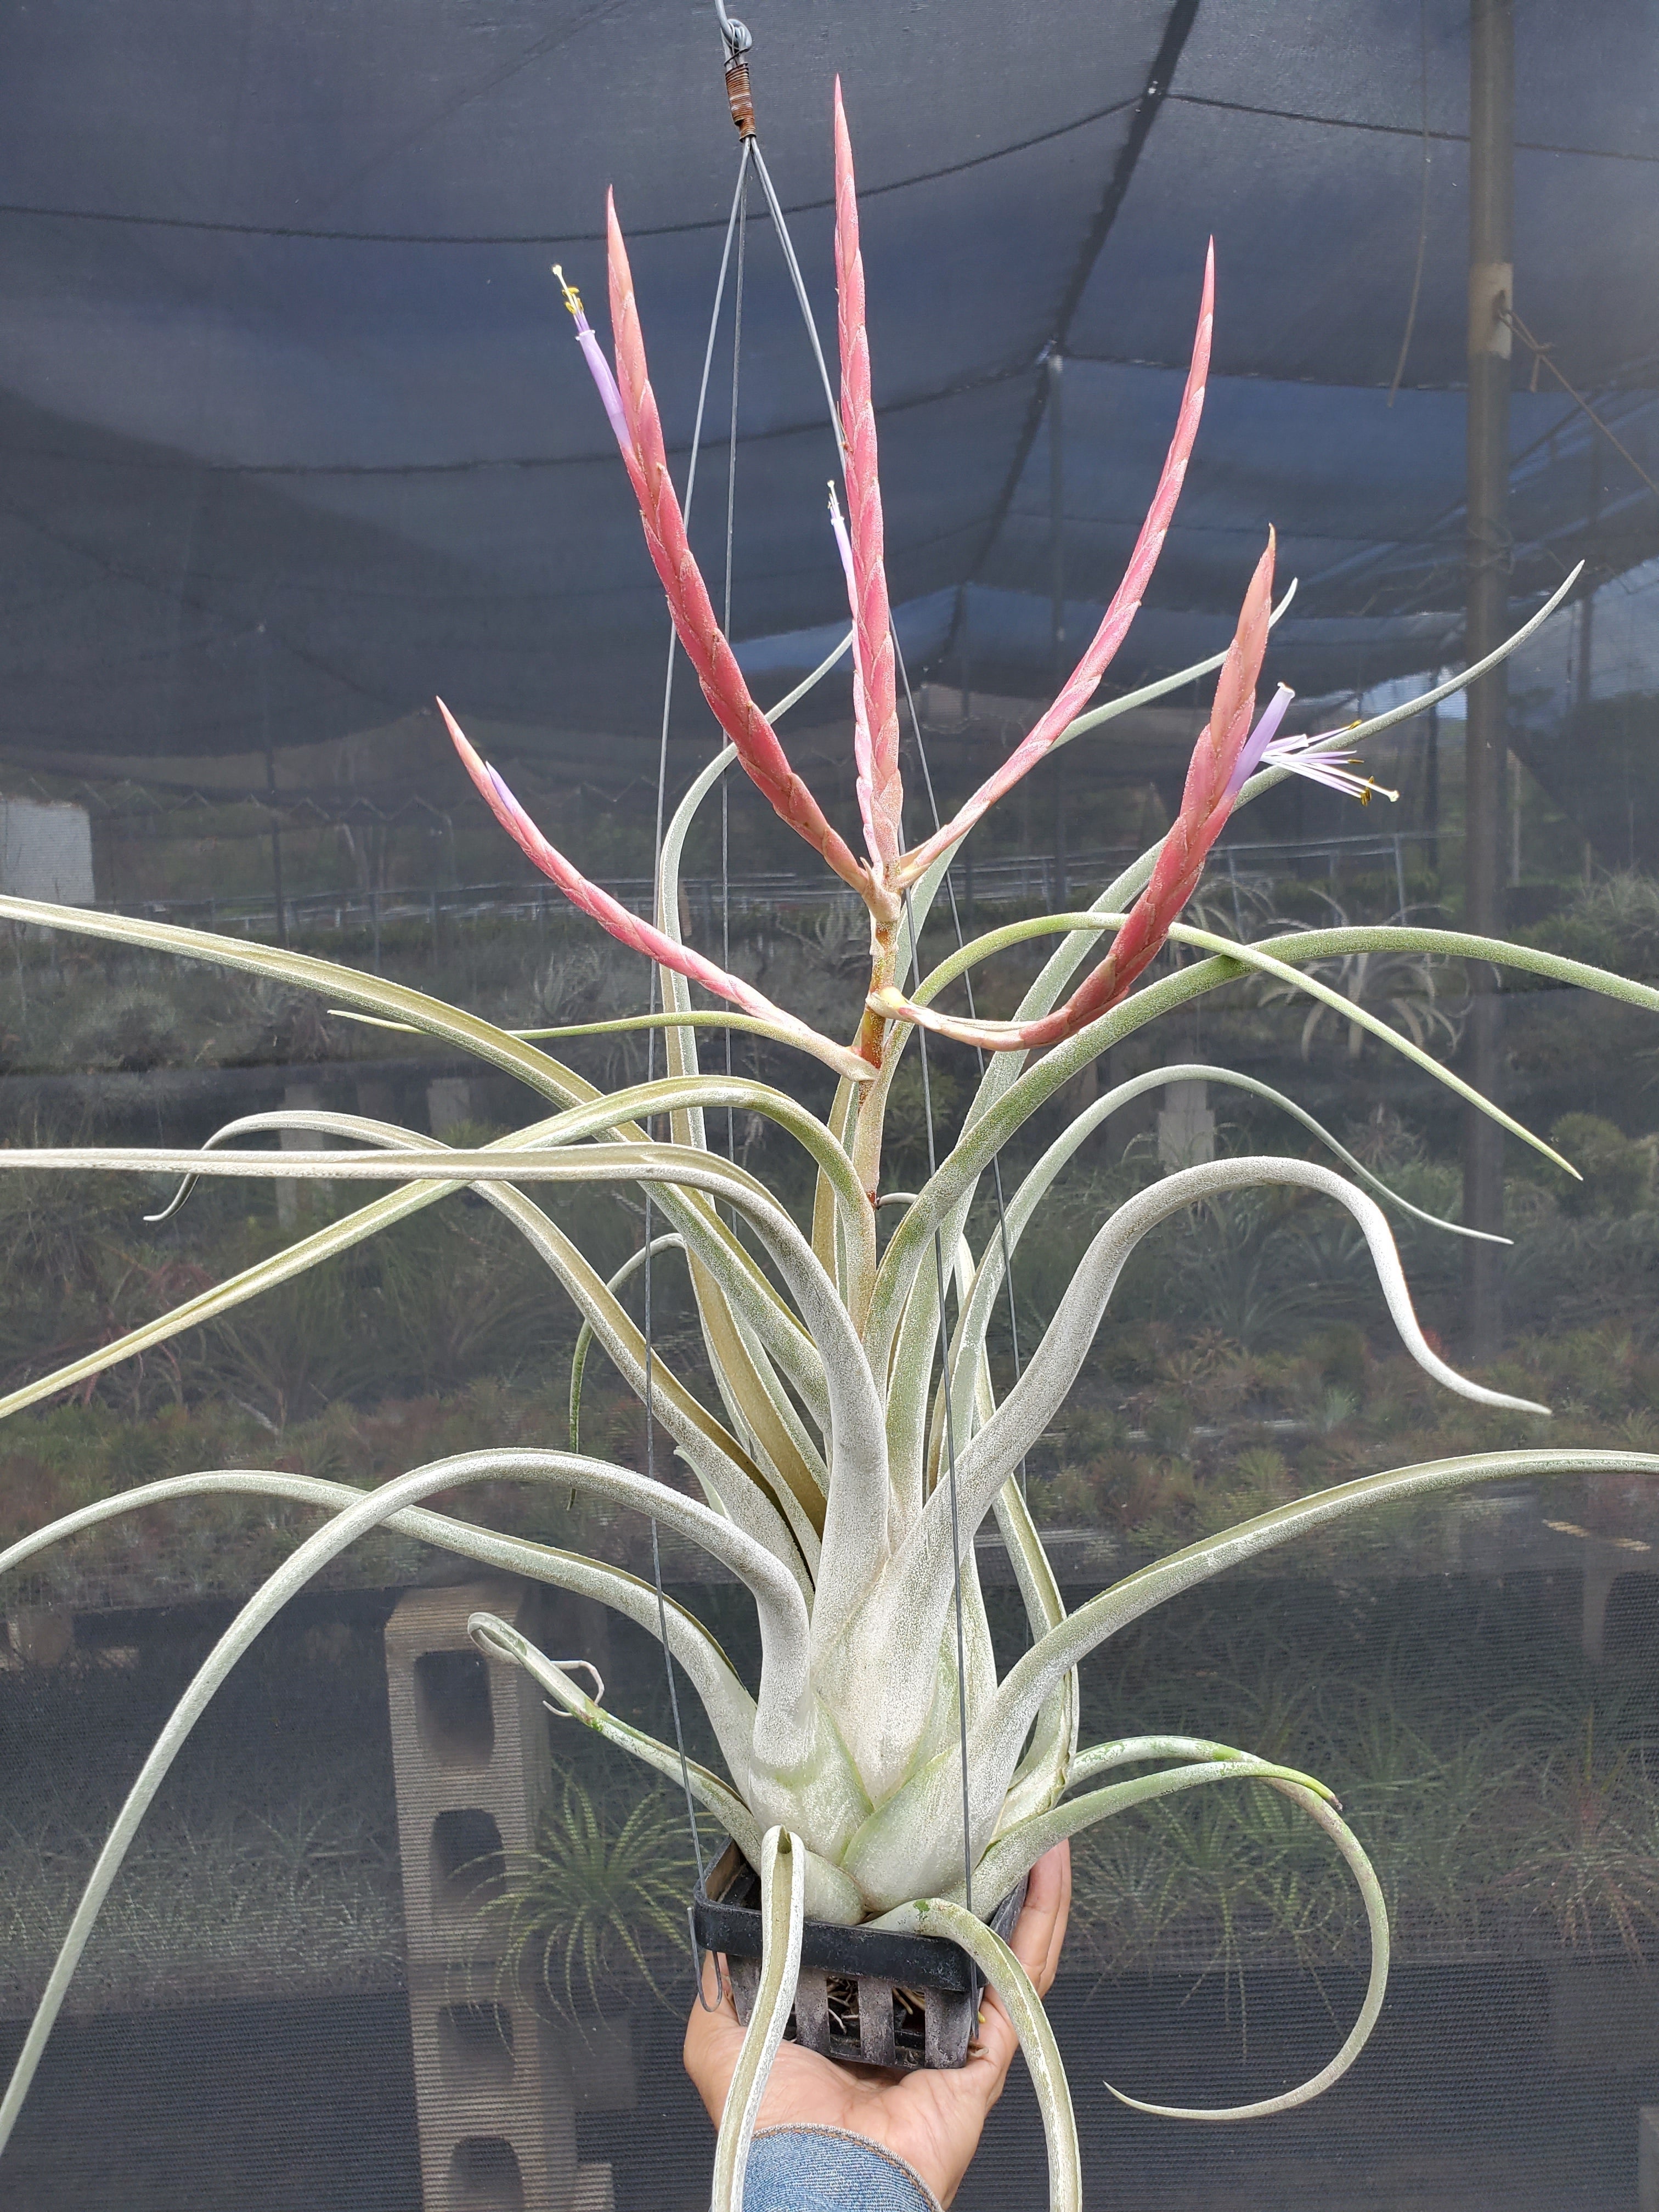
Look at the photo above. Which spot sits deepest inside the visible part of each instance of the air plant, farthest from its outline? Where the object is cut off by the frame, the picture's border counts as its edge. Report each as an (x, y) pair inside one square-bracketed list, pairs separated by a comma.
[(1591, 1868), (1410, 985), (600, 1900), (880, 1770)]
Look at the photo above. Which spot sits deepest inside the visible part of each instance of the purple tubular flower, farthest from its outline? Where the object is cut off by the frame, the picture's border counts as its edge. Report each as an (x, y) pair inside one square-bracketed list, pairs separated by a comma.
[(1339, 771), (609, 395), (499, 785), (1250, 752), (593, 353), (1264, 748)]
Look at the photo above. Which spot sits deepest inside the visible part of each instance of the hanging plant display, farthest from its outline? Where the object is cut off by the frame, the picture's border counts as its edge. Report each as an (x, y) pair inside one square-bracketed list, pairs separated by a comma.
[(881, 1773)]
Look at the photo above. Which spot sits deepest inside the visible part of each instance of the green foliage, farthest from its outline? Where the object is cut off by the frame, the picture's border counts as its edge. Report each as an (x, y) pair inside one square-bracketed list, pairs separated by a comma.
[(272, 1861), (1256, 1266), (439, 1302), (1418, 992), (1612, 921), (1507, 1794), (596, 1913), (1590, 1863), (1617, 1173), (1575, 1275)]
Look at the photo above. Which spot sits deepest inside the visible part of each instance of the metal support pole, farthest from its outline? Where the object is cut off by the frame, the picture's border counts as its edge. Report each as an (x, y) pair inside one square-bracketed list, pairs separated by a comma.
[(271, 788), (1585, 673), (1492, 198), (1057, 604), (1587, 604)]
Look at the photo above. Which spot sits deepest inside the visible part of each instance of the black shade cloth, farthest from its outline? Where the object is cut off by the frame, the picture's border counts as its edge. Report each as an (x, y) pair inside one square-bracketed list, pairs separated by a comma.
[(294, 433)]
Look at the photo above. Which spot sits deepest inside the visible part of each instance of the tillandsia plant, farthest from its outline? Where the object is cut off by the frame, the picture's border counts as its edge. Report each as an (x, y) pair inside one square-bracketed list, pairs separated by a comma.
[(880, 1769)]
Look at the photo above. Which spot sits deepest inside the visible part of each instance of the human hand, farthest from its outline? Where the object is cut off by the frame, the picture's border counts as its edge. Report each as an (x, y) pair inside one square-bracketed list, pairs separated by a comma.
[(930, 2118)]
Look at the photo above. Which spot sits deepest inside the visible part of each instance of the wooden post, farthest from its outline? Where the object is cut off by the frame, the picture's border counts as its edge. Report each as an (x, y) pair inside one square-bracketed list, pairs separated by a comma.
[(1057, 604)]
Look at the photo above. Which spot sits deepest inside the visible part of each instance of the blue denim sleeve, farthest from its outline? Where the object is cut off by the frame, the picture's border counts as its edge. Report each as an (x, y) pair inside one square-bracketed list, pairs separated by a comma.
[(823, 2170)]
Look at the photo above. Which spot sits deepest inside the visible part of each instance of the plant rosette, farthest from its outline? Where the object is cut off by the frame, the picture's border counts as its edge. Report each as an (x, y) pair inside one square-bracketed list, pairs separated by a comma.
[(880, 1768)]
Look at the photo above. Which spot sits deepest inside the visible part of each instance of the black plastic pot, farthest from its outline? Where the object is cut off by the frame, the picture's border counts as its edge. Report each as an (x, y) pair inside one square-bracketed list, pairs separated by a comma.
[(864, 1995)]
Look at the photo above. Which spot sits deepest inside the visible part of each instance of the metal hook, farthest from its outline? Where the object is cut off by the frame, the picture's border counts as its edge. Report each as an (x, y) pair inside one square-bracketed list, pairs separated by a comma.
[(578, 1667), (723, 1983), (738, 94), (735, 34)]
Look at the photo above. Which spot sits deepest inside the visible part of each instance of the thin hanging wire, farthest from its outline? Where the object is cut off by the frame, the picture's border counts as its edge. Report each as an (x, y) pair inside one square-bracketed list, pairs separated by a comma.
[(968, 985), (730, 520), (781, 225), (735, 33), (1540, 355), (737, 197), (1422, 210), (950, 1444)]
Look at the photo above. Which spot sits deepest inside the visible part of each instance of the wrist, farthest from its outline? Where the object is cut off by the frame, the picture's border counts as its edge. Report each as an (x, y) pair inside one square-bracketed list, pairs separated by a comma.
[(831, 2169)]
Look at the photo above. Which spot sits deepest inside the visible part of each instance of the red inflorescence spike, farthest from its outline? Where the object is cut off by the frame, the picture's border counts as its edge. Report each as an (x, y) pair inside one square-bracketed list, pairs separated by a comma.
[(882, 796), (759, 753), (1115, 623), (1205, 804)]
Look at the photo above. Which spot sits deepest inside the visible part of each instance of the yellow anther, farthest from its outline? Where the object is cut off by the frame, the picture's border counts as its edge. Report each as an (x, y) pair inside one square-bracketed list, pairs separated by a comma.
[(572, 298)]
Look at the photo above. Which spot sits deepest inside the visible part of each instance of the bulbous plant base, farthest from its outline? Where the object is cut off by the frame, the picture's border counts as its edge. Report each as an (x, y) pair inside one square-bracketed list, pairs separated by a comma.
[(864, 1995)]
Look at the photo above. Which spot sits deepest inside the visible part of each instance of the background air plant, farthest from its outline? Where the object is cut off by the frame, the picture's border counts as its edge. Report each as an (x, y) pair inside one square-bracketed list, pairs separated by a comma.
[(879, 1768), (1410, 985), (599, 1907)]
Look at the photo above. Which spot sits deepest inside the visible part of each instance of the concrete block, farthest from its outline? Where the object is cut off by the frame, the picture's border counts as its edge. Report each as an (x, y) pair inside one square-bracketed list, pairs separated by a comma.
[(469, 1748), (593, 2192), (448, 1101), (496, 2088), (493, 2089), (45, 851), (1186, 1127), (292, 1198)]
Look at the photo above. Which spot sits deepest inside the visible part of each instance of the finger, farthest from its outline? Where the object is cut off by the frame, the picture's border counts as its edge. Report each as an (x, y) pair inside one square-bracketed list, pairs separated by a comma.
[(713, 2039), (991, 2051), (1057, 1934), (1041, 1927)]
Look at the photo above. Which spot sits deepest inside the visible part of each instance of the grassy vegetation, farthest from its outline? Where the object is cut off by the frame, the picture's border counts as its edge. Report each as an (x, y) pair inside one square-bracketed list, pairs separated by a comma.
[(1508, 1792), (272, 1861)]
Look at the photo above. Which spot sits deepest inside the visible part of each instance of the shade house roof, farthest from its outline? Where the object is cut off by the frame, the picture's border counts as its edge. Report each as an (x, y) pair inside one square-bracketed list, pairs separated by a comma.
[(295, 435)]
